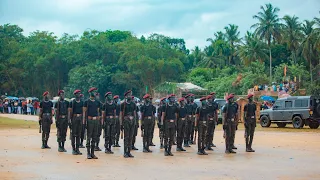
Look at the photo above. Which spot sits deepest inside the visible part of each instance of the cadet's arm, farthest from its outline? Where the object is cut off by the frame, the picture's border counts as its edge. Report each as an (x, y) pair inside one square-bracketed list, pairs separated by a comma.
[(69, 114), (84, 109), (162, 117), (197, 120), (40, 115)]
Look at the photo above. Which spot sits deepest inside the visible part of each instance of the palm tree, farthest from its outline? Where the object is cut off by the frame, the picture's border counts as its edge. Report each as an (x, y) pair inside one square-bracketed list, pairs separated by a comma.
[(268, 27), (292, 34), (232, 36), (307, 48), (252, 50), (197, 55)]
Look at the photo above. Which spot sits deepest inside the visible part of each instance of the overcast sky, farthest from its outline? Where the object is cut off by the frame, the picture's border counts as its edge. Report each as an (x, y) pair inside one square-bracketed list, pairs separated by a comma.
[(193, 20)]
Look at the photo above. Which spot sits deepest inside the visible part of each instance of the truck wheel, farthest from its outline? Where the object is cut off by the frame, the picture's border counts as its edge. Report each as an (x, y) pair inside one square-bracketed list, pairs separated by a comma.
[(281, 125), (297, 122), (265, 121), (313, 125)]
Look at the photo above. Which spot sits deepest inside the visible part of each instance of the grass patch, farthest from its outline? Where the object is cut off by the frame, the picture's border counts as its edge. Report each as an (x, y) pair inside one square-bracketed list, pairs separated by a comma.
[(8, 123)]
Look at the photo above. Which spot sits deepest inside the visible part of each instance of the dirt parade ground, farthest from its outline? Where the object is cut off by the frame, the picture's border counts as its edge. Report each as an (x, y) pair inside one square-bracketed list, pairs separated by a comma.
[(280, 154)]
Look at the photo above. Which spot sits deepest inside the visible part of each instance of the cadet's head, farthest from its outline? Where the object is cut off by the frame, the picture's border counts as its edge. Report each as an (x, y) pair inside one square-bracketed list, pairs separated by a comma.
[(116, 98), (188, 97), (230, 98), (128, 95), (61, 94), (181, 101), (46, 95), (213, 94), (210, 98), (172, 98), (203, 101), (77, 93), (163, 100), (97, 95), (147, 98), (92, 92), (108, 96), (250, 97), (192, 97)]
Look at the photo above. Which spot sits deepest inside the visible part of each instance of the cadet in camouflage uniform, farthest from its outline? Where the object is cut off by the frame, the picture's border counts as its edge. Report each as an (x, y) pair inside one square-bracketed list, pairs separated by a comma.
[(61, 108), (181, 124), (153, 124), (117, 119), (161, 127), (108, 114), (147, 120), (194, 108), (189, 123), (91, 119), (212, 120), (75, 122), (127, 122), (201, 125), (230, 116), (249, 122), (136, 126), (45, 119), (169, 119)]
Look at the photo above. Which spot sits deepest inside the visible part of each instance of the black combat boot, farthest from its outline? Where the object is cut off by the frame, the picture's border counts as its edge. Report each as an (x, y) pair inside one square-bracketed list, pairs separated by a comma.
[(199, 152), (46, 144), (129, 154), (77, 145), (178, 148), (88, 153), (232, 151), (233, 147), (62, 145), (169, 151), (125, 152), (43, 145), (247, 145), (152, 144), (182, 148), (208, 147), (92, 153), (227, 151), (97, 147), (204, 152), (213, 145), (74, 150), (166, 153), (117, 144)]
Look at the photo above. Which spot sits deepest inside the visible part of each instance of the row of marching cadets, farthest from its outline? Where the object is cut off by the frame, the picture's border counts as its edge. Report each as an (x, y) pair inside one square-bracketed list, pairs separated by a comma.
[(179, 123)]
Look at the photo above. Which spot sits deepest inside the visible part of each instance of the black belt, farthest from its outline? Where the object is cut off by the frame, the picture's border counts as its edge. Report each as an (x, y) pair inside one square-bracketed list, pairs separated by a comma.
[(63, 116), (109, 117), (47, 114), (77, 115), (148, 117)]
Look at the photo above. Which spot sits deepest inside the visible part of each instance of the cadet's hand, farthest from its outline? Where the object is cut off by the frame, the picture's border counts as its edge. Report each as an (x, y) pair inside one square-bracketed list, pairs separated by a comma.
[(224, 127), (121, 127), (196, 128), (70, 125), (159, 126), (84, 125), (40, 122), (142, 127), (57, 124)]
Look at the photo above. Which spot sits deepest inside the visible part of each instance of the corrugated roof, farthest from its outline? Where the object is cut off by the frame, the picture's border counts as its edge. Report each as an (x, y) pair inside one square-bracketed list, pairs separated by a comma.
[(190, 86)]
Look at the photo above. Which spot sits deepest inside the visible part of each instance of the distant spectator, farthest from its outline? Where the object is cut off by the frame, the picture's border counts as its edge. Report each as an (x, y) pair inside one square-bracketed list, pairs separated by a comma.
[(29, 106), (274, 87), (256, 88), (15, 107), (36, 107), (1, 106), (20, 107)]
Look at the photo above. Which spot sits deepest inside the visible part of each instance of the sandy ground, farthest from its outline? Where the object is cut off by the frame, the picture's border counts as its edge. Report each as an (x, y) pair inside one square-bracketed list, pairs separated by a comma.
[(279, 155)]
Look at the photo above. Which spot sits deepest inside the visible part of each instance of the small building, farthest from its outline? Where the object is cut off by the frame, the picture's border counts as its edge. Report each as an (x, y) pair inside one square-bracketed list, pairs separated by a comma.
[(179, 89)]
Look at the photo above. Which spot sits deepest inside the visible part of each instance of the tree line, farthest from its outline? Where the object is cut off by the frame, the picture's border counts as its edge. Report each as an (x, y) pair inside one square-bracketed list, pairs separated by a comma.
[(115, 60)]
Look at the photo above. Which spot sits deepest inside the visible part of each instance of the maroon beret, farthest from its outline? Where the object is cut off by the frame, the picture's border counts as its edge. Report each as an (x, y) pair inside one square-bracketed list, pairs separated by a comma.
[(171, 95), (81, 95), (203, 98), (45, 93), (209, 96), (76, 91), (146, 96), (181, 99), (107, 94), (191, 94), (132, 97), (212, 93), (163, 98), (230, 96), (186, 96), (92, 89), (249, 96), (115, 97), (60, 91), (129, 91)]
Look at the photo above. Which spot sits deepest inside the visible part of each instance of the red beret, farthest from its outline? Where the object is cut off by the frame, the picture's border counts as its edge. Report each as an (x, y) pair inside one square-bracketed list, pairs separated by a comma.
[(60, 91), (230, 96), (212, 93), (209, 96), (146, 96), (92, 89), (81, 95), (129, 91), (186, 96), (107, 94), (76, 91), (191, 94), (132, 97), (249, 96), (171, 95), (163, 98), (181, 99), (115, 97), (45, 93), (203, 98)]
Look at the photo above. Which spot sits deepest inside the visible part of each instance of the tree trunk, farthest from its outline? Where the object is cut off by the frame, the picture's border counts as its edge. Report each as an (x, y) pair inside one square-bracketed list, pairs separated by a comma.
[(270, 58)]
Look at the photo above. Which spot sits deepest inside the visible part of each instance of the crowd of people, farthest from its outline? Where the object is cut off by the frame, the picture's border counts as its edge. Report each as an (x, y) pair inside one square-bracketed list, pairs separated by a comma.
[(181, 123), (283, 87), (21, 106)]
